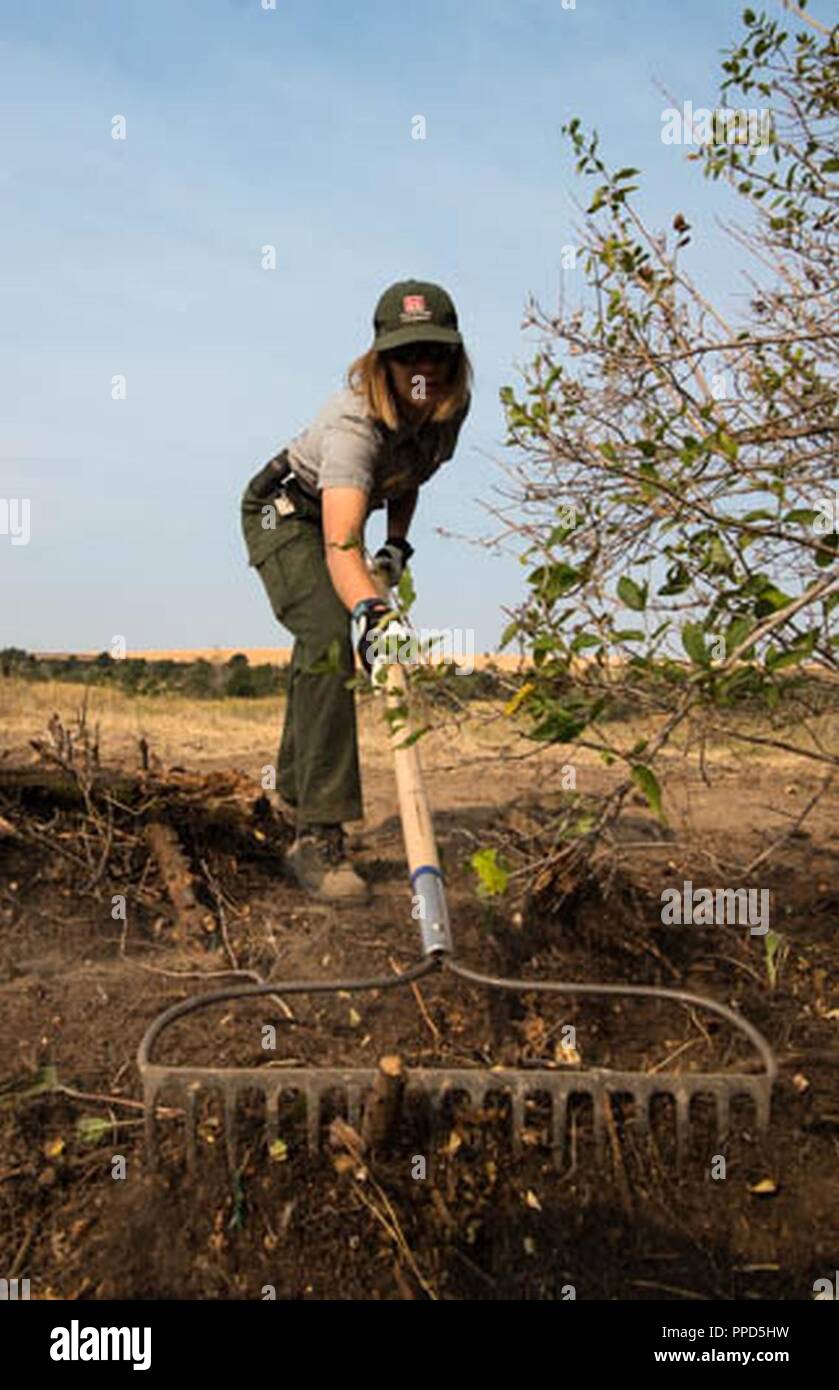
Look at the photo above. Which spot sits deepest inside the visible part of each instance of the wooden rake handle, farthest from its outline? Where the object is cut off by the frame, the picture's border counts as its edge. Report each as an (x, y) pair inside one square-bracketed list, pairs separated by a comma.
[(429, 898)]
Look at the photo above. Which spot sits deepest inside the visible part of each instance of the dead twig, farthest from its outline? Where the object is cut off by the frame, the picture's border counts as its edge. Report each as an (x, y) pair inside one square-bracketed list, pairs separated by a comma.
[(343, 1136), (421, 1005), (222, 916)]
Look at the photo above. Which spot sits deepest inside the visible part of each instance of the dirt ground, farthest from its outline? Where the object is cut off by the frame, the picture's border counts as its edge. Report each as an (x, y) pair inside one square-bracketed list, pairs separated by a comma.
[(79, 985)]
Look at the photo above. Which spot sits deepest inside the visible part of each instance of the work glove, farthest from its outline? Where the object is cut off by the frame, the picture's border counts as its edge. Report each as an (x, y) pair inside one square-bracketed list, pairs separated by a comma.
[(378, 642), (392, 558), (366, 616)]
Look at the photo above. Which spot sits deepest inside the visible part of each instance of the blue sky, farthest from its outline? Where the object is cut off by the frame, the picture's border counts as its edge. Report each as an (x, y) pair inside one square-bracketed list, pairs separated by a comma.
[(289, 127)]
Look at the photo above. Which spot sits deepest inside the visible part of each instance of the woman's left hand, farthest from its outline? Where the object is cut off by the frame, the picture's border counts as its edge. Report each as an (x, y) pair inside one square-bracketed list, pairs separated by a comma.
[(390, 560)]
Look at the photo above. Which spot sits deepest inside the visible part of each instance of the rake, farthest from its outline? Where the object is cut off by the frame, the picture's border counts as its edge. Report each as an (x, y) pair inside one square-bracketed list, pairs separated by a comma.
[(564, 1089)]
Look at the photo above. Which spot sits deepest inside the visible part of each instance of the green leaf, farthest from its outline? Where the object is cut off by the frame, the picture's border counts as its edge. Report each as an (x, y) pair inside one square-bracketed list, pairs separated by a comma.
[(825, 556), (493, 876), (678, 579), (330, 664), (552, 581), (693, 641), (405, 590), (727, 446), (412, 738), (508, 634), (632, 594), (737, 632), (91, 1128), (584, 640), (772, 943), (647, 783), (560, 726), (45, 1079), (777, 659), (771, 600)]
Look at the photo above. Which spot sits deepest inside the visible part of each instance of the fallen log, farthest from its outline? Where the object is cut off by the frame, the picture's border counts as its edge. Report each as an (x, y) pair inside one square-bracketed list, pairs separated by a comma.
[(225, 804), (38, 786)]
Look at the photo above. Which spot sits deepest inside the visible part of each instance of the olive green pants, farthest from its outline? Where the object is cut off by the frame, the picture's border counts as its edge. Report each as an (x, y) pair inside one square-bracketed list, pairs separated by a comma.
[(317, 764)]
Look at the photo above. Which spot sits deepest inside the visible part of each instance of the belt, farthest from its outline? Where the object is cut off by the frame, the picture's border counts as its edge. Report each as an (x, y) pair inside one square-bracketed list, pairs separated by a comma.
[(278, 483)]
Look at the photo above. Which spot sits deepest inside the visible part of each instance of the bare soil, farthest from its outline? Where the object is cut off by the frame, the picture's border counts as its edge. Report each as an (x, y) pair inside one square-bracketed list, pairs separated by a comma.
[(79, 985)]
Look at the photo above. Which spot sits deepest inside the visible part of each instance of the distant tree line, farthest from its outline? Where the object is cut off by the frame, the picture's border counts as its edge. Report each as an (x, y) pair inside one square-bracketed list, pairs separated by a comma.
[(201, 679)]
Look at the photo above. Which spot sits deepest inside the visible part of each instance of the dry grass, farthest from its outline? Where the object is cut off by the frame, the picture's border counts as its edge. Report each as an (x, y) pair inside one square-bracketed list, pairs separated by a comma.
[(244, 732)]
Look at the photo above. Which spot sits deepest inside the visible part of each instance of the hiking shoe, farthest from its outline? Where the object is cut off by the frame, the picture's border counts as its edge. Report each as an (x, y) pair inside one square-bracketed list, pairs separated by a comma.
[(319, 863), (282, 809)]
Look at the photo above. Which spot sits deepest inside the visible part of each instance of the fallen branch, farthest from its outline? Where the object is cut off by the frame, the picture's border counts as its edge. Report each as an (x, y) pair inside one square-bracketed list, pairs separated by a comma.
[(177, 877)]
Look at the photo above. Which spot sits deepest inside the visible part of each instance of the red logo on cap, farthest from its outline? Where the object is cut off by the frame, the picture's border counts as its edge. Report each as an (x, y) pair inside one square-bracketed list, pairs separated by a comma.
[(414, 303)]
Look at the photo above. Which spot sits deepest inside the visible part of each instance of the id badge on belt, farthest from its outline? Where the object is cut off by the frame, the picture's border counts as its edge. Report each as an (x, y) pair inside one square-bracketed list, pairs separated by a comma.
[(284, 504)]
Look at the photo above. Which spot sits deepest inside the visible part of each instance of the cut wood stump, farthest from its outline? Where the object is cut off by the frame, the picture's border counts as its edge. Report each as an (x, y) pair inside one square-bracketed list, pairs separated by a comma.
[(383, 1106)]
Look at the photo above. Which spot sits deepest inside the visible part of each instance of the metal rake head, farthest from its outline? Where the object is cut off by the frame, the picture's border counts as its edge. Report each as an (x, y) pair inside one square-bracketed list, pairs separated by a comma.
[(564, 1089), (437, 1086)]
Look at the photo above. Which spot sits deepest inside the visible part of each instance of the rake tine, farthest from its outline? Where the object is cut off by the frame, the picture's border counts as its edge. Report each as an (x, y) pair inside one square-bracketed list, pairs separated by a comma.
[(760, 1093), (681, 1096), (272, 1114), (150, 1093), (645, 1109), (559, 1116), (638, 1118), (354, 1094), (436, 1113), (312, 1096), (191, 1101), (420, 1099), (229, 1094), (517, 1118), (723, 1105), (599, 1099)]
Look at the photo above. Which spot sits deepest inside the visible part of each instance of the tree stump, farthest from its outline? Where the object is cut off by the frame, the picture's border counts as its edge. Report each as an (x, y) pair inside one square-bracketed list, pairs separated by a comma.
[(383, 1106)]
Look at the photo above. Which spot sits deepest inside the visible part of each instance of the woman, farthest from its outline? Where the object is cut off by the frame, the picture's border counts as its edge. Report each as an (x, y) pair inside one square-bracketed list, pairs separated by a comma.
[(372, 445)]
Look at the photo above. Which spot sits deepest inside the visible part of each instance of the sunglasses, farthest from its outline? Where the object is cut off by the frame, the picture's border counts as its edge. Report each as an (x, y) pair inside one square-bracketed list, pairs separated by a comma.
[(411, 353)]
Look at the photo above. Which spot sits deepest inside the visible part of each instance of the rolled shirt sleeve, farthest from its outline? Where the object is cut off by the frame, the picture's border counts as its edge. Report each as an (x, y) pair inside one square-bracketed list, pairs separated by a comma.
[(348, 455)]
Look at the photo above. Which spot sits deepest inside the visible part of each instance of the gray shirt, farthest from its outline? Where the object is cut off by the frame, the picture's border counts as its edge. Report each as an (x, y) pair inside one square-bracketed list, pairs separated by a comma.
[(344, 447)]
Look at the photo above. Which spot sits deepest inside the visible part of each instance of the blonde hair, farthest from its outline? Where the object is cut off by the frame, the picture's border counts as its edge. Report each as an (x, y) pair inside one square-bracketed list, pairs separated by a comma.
[(369, 377)]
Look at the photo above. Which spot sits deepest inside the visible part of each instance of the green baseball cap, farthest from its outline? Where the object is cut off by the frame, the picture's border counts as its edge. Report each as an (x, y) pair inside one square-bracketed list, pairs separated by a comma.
[(414, 311)]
